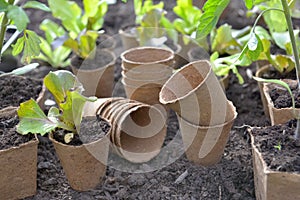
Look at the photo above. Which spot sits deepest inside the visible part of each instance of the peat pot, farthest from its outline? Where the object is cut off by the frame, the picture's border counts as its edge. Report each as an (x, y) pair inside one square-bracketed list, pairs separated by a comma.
[(279, 115), (196, 95), (138, 129), (204, 145), (272, 184), (84, 165), (18, 168), (96, 74)]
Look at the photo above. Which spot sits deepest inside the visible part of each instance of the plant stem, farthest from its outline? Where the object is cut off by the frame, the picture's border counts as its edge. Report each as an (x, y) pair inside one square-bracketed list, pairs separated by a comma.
[(3, 26), (295, 52)]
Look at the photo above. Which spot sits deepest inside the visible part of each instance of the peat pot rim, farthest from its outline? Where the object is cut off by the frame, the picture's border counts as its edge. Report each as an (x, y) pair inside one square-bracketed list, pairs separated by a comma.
[(83, 145), (108, 52), (214, 126), (32, 142), (169, 57), (185, 67)]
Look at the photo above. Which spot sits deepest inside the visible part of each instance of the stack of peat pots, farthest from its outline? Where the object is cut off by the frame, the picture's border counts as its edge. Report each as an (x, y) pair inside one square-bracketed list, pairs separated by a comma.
[(145, 70), (138, 129), (205, 115)]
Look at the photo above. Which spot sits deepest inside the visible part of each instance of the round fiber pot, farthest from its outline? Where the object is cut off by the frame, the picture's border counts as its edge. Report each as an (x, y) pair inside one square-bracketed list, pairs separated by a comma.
[(144, 73), (196, 95), (129, 37), (105, 41), (141, 82), (84, 165), (204, 145), (149, 57), (96, 73), (140, 133), (147, 93)]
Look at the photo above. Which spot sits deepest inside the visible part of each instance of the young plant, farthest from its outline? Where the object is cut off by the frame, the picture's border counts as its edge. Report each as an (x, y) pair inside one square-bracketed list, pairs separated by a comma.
[(55, 56), (66, 90), (11, 13), (152, 25), (82, 25), (254, 47)]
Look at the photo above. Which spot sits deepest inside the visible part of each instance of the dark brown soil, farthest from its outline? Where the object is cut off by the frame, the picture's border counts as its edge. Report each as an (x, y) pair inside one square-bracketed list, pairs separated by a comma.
[(282, 99), (274, 74), (15, 90), (91, 129), (231, 179), (279, 149), (8, 135)]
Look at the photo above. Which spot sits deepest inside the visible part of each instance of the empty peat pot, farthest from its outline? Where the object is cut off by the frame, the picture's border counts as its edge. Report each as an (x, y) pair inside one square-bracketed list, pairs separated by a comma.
[(196, 95), (204, 145), (138, 129), (147, 56)]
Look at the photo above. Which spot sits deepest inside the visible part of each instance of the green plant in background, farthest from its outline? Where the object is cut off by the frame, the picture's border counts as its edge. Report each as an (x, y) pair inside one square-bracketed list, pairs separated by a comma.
[(255, 47), (66, 90), (152, 25), (82, 26), (57, 57), (187, 22), (11, 13)]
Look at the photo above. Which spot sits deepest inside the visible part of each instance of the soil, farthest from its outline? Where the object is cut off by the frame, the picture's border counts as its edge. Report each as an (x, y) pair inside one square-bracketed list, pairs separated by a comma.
[(178, 178), (15, 90), (91, 129), (8, 135), (278, 147), (274, 74), (282, 99)]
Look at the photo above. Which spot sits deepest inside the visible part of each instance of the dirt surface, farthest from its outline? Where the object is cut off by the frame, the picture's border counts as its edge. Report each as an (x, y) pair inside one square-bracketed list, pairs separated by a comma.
[(278, 147), (91, 129), (177, 178), (8, 135), (281, 97), (15, 90)]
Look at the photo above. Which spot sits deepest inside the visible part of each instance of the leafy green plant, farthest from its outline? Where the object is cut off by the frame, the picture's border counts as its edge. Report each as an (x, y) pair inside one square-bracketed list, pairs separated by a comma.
[(66, 90), (57, 57), (11, 13), (82, 26)]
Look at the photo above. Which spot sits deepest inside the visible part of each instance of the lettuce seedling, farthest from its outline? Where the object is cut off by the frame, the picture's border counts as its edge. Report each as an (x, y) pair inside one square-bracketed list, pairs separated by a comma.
[(66, 90), (82, 25), (55, 56)]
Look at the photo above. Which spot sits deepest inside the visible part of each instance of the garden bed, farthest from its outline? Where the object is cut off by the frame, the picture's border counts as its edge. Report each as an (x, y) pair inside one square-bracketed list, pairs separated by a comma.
[(232, 178)]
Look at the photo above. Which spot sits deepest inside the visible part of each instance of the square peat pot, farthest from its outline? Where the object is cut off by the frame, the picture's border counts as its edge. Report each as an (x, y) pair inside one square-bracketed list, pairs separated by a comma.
[(273, 185), (18, 171)]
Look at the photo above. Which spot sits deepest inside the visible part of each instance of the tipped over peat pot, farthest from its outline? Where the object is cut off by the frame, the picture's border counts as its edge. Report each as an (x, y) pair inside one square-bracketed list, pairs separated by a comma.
[(138, 129), (196, 95)]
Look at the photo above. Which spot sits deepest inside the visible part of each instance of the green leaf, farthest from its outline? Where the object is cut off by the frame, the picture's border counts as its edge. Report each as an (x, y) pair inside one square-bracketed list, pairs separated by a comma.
[(52, 30), (3, 5), (253, 42), (18, 15), (223, 42), (18, 47), (61, 81), (32, 45), (208, 20), (33, 120), (249, 4), (36, 5), (283, 38), (72, 108)]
